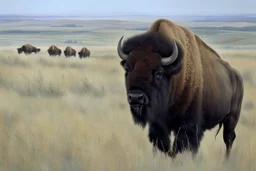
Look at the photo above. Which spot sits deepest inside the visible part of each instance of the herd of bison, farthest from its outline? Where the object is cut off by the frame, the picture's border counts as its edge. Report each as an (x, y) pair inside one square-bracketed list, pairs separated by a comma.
[(54, 51)]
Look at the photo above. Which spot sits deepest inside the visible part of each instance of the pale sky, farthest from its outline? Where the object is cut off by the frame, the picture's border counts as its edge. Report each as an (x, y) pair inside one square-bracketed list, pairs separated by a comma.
[(102, 7)]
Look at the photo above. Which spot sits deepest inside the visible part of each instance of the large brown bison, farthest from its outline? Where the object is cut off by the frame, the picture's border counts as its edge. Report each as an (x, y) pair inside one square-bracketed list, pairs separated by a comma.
[(53, 51), (69, 51), (28, 49), (176, 82), (84, 53)]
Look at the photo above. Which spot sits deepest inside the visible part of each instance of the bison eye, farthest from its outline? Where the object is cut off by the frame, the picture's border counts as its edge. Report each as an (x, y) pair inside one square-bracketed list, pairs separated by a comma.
[(159, 74)]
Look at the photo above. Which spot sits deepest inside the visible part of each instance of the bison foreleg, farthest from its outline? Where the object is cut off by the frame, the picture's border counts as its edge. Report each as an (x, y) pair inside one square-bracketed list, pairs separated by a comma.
[(159, 137), (187, 137)]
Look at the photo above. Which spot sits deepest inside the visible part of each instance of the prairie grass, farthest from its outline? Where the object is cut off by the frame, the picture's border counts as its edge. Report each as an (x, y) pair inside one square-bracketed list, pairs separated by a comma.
[(71, 114), (60, 113)]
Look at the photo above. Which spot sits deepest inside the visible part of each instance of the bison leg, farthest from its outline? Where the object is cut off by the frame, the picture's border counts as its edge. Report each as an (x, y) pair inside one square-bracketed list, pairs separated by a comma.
[(187, 138), (159, 136)]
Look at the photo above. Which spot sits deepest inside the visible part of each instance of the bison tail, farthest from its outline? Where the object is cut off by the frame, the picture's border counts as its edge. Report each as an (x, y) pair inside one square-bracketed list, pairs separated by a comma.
[(220, 125)]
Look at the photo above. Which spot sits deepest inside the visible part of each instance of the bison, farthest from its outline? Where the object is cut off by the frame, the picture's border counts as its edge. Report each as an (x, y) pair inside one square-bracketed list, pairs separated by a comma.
[(69, 51), (28, 49), (84, 53), (176, 83), (53, 51)]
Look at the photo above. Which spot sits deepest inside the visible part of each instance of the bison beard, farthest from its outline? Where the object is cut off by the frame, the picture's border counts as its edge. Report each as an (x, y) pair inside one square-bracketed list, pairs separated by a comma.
[(164, 85), (139, 119)]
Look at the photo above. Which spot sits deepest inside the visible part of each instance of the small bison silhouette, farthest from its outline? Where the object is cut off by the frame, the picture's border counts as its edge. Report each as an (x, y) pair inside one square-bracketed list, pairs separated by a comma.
[(53, 51), (28, 49), (69, 51), (84, 53)]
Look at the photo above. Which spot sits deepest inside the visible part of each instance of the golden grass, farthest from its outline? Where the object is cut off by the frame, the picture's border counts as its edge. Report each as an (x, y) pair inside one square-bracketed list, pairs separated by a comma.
[(71, 114)]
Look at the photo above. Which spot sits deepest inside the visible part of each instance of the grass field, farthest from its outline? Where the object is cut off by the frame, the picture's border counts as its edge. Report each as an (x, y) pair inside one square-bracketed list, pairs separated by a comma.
[(71, 114)]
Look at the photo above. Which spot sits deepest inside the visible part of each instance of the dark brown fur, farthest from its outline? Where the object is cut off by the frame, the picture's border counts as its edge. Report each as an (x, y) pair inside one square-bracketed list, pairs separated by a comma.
[(197, 92), (84, 53), (69, 51), (53, 51), (28, 49)]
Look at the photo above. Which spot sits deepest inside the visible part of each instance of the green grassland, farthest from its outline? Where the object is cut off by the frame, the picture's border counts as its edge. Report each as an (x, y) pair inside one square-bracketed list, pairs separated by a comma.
[(65, 114)]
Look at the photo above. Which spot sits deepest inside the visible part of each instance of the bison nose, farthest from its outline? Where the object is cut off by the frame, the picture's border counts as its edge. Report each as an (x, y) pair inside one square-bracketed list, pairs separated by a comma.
[(137, 98)]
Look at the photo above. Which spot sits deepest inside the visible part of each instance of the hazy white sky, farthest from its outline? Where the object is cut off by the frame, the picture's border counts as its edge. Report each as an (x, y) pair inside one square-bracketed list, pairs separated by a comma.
[(101, 7)]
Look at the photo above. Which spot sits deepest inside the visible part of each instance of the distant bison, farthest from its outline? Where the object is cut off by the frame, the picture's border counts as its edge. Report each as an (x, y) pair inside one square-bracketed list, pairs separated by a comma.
[(176, 83), (69, 51), (28, 49), (84, 52), (53, 51)]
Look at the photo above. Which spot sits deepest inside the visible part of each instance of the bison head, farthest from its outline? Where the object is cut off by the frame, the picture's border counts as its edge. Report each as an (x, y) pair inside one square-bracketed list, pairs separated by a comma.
[(150, 60), (19, 50), (80, 54), (59, 52), (38, 50)]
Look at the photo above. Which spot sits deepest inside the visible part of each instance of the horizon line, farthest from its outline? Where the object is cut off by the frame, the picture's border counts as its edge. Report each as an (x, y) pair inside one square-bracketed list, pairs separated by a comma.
[(124, 14)]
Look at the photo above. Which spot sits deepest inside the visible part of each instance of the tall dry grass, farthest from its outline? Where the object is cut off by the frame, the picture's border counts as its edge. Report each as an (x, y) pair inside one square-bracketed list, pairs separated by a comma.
[(71, 114)]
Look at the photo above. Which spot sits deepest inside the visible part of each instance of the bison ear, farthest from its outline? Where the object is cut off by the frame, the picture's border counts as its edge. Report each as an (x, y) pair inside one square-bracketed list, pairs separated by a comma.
[(122, 63)]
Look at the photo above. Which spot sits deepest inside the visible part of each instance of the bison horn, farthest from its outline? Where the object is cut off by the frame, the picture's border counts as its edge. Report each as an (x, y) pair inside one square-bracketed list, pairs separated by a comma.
[(120, 52), (169, 60)]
